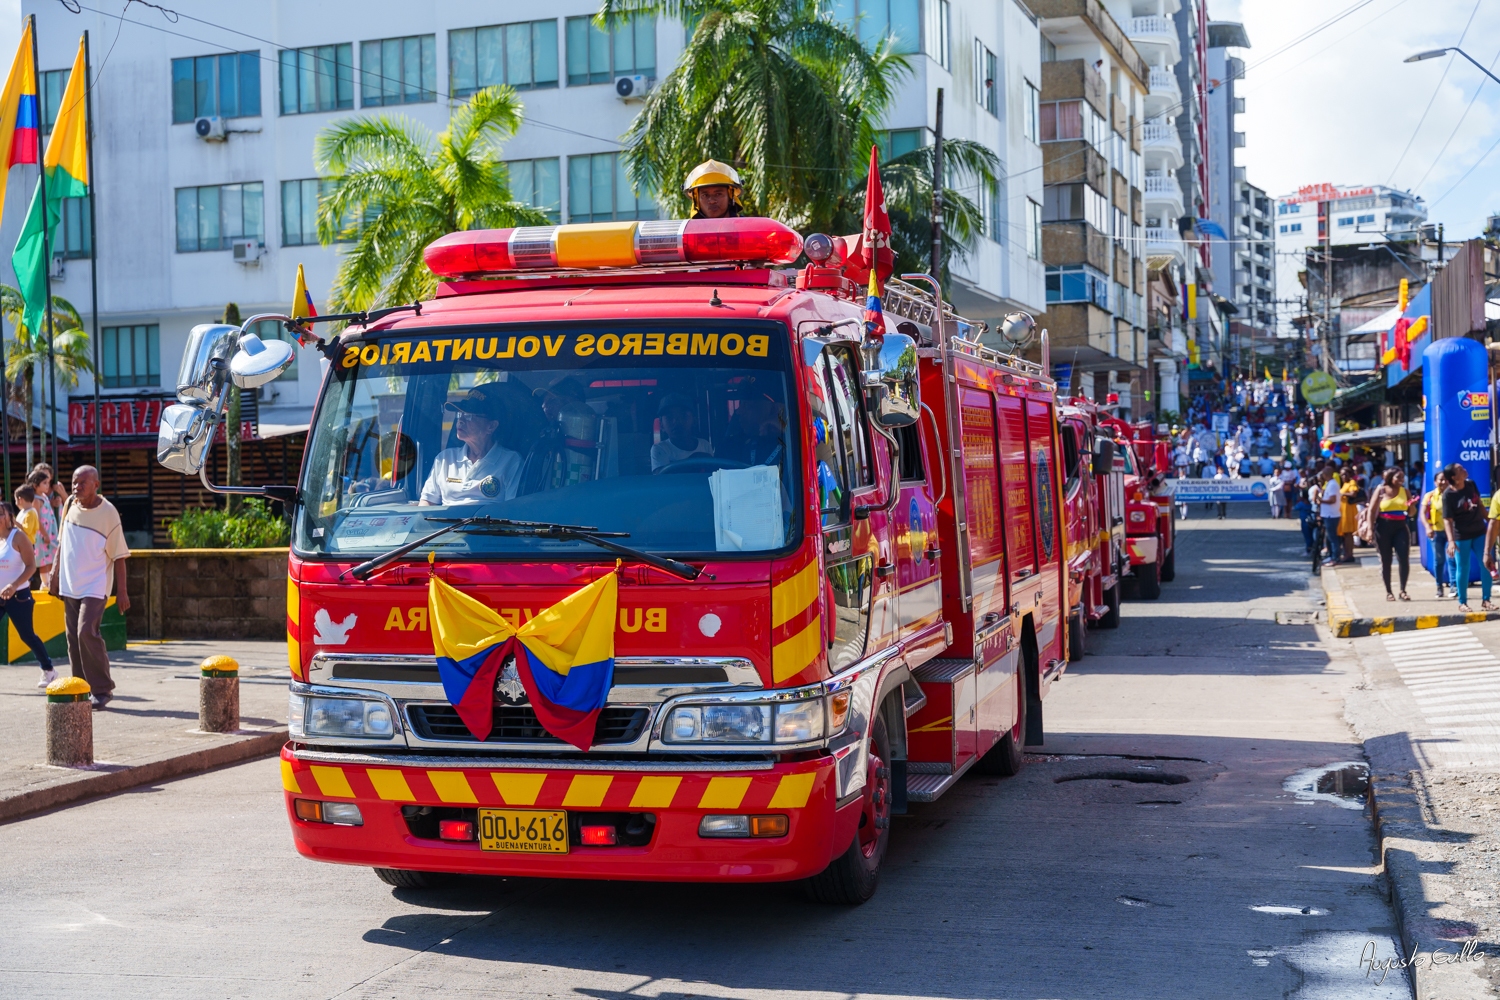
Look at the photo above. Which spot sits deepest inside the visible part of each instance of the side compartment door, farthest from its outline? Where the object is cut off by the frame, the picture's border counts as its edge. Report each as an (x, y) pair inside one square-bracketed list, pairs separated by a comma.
[(994, 693), (1048, 617)]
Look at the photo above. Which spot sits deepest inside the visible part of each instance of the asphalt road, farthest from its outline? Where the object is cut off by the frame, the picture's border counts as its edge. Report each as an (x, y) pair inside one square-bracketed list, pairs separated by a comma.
[(1126, 882)]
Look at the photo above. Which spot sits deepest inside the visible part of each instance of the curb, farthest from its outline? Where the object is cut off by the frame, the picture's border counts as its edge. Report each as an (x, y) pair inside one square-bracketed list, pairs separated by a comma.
[(1344, 623), (177, 765)]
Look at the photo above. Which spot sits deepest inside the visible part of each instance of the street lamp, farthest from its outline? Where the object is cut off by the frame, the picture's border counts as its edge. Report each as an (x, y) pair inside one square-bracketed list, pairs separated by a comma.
[(1434, 53)]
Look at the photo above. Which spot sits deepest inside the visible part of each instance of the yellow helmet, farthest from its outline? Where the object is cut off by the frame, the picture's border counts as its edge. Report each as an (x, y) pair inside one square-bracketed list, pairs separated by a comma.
[(712, 172)]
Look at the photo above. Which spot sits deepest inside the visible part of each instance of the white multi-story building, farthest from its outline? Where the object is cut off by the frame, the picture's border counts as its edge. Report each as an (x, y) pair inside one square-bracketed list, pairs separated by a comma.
[(188, 222)]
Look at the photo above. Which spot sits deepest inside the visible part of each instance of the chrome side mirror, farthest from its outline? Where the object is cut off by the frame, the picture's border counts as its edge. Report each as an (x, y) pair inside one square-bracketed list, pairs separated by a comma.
[(258, 362), (184, 435), (199, 380), (892, 396)]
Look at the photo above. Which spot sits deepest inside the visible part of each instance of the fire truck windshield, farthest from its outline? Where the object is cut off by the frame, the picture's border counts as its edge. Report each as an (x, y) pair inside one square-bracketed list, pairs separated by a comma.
[(679, 435)]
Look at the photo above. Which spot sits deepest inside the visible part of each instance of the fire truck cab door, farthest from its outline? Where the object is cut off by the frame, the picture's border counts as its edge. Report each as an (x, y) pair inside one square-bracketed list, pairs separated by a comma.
[(916, 532)]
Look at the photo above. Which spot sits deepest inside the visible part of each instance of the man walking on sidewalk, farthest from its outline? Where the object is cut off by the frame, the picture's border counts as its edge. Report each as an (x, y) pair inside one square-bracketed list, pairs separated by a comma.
[(91, 559)]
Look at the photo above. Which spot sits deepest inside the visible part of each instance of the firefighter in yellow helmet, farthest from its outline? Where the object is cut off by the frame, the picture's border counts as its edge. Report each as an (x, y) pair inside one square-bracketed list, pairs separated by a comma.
[(714, 188)]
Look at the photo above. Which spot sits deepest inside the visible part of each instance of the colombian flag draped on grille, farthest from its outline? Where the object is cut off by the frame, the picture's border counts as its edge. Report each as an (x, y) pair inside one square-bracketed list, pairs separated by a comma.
[(565, 657), (66, 166), (18, 113)]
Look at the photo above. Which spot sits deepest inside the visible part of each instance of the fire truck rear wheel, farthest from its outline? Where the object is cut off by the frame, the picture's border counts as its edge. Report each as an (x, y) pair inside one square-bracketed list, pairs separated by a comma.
[(403, 879), (1169, 568), (1077, 638), (1111, 616), (1148, 581), (853, 876)]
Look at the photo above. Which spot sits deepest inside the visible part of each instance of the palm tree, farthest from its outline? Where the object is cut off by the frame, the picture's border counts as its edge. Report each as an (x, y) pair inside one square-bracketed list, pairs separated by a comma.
[(775, 87), (26, 351), (399, 187)]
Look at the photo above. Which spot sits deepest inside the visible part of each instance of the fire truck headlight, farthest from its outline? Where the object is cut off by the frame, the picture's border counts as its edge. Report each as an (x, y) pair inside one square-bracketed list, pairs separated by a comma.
[(296, 715), (349, 717), (718, 724), (799, 721)]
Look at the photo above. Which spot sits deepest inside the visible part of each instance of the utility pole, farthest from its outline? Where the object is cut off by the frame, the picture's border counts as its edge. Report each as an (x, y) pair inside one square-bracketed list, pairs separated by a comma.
[(937, 199)]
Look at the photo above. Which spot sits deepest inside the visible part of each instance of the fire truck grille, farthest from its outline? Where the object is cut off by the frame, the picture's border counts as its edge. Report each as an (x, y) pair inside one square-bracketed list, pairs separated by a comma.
[(518, 724)]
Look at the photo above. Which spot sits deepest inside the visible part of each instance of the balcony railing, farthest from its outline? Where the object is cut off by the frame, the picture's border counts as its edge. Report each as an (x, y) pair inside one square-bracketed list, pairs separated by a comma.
[(1154, 132), (1163, 187), (1164, 81)]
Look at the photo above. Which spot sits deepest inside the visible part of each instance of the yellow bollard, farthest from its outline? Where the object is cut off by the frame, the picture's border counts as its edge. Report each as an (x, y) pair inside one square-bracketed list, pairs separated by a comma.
[(70, 723), (219, 695)]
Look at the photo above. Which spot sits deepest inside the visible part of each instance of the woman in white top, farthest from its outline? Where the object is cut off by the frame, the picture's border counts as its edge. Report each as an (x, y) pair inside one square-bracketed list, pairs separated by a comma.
[(17, 563)]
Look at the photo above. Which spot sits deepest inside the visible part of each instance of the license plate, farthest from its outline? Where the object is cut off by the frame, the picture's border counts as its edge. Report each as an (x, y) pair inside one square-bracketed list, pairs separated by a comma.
[(524, 831)]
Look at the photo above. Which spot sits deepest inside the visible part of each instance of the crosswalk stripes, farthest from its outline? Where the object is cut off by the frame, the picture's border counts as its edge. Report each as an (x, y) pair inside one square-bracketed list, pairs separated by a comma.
[(1455, 681)]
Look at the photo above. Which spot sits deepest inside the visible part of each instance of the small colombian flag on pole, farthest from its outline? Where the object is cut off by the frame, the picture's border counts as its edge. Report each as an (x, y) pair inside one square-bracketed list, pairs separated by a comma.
[(302, 303)]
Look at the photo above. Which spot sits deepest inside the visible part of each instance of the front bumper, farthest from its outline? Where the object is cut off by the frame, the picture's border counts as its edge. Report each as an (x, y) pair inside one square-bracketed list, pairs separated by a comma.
[(677, 795), (1143, 551)]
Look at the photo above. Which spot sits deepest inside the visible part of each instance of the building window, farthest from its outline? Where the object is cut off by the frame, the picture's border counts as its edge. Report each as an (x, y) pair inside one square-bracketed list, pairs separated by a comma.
[(598, 191), (538, 183), (224, 85), (1078, 283), (1033, 113), (317, 79), (986, 78), (1076, 203), (299, 212), (398, 71), (210, 218), (1296, 227), (523, 55), (73, 238), (1062, 120), (1361, 220), (877, 20), (271, 329), (1033, 230), (938, 21), (130, 356), (1347, 220), (598, 56), (53, 83), (899, 142), (1283, 228), (994, 210)]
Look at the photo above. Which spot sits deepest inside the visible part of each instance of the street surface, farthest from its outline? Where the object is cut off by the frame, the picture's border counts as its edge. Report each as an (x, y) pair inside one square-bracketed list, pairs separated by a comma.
[(1098, 872)]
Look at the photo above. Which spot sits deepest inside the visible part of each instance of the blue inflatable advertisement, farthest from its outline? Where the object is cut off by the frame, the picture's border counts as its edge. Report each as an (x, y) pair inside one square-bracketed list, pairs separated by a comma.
[(1455, 385)]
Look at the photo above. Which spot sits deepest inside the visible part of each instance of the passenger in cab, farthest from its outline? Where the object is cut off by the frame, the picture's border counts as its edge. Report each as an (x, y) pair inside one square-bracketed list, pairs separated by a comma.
[(679, 428), (565, 452), (757, 429), (480, 469), (714, 189)]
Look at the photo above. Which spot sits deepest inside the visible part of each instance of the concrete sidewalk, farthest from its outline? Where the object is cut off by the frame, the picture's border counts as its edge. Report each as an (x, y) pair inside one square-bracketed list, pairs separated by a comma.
[(149, 732), (1357, 605)]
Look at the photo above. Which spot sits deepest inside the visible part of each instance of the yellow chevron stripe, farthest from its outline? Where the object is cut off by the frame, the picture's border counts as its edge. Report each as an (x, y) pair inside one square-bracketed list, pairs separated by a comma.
[(519, 788), (289, 777), (331, 781), (791, 597), (655, 792), (588, 789), (793, 790), (724, 793), (390, 784), (791, 657), (942, 725), (451, 786)]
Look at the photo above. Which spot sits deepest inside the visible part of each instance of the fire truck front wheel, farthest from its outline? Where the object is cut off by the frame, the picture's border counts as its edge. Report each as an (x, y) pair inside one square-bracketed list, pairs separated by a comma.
[(1169, 568), (403, 879), (852, 877), (1148, 581), (1077, 637), (1111, 616)]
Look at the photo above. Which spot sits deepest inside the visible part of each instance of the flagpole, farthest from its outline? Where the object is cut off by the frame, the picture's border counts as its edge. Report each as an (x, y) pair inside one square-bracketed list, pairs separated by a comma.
[(4, 406), (88, 114), (46, 257)]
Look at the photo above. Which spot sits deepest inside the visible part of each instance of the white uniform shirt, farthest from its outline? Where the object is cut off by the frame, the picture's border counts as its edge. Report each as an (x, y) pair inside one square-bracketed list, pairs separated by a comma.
[(456, 479), (664, 453)]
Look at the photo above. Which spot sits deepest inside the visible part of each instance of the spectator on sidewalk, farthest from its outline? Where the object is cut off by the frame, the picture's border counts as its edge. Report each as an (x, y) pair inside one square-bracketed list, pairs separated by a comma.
[(1303, 508), (1325, 494), (91, 559), (40, 480), (1431, 514), (17, 563), (1288, 476), (1464, 520), (1387, 517), (1351, 492)]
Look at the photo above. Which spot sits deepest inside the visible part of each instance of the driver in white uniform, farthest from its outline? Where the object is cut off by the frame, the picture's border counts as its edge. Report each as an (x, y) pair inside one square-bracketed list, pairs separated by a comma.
[(480, 469), (679, 427)]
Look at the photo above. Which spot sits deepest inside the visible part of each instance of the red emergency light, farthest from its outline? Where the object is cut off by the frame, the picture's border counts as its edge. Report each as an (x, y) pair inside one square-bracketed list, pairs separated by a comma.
[(612, 244)]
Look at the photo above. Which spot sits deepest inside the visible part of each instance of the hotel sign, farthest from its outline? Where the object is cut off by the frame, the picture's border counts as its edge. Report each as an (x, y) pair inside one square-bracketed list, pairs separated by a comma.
[(1325, 192)]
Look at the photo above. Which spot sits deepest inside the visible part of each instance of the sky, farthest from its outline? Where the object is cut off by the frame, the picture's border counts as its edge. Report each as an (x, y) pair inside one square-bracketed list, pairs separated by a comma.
[(1340, 106)]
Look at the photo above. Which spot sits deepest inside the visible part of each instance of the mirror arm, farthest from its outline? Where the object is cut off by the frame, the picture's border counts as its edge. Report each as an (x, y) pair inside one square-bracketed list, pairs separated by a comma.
[(894, 492), (286, 494)]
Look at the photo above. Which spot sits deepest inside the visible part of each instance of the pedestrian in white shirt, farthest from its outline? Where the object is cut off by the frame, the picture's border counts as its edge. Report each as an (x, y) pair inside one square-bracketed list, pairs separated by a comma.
[(480, 469), (90, 561)]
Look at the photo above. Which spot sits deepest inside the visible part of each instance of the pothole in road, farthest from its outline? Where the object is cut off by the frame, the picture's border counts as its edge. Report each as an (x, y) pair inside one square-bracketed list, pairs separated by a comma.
[(1344, 783), (1135, 777)]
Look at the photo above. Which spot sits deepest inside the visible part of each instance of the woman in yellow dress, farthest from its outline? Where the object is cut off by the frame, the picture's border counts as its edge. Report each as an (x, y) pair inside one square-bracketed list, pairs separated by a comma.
[(1349, 489)]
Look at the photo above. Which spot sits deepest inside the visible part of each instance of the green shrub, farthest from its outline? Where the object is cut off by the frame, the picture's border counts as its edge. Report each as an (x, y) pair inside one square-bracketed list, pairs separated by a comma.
[(255, 527)]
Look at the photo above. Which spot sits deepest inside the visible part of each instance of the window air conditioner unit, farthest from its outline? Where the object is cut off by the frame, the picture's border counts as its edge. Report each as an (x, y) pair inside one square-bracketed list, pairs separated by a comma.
[(246, 251), (55, 268), (210, 129), (633, 88)]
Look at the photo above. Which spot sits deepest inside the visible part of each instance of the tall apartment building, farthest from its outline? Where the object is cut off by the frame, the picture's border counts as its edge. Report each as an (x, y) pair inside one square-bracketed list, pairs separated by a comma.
[(189, 222), (1094, 81)]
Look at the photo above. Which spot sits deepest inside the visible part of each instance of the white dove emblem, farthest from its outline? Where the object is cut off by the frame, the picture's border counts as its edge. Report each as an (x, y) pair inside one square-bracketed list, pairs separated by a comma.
[(329, 632)]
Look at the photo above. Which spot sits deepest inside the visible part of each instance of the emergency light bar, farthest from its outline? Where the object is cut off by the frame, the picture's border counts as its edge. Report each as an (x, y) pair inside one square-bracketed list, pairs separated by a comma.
[(612, 244)]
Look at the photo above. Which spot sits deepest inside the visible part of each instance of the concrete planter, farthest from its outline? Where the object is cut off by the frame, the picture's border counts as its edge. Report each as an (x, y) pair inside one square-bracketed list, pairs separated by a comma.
[(207, 594)]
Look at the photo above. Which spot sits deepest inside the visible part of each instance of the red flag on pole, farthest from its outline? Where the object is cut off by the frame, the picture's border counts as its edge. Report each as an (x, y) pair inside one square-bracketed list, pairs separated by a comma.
[(876, 243), (1403, 344)]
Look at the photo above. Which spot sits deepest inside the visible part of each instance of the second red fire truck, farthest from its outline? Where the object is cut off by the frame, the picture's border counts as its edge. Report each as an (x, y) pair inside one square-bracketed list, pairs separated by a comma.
[(843, 561)]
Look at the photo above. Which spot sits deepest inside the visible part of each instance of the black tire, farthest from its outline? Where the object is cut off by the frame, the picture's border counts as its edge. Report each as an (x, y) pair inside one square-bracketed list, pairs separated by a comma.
[(1111, 617), (1077, 643), (403, 879), (1148, 581), (1004, 758), (853, 876), (1169, 568)]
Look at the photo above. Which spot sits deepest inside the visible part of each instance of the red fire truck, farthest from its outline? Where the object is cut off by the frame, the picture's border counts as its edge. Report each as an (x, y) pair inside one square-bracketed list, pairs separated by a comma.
[(1094, 521), (1151, 517), (842, 574)]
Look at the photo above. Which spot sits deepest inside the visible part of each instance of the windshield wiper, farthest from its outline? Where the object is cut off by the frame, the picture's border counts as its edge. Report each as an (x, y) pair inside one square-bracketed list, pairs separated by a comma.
[(530, 529)]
